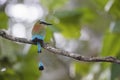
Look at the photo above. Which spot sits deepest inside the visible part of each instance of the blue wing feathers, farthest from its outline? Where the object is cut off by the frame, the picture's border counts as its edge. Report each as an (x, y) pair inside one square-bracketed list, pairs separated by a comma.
[(38, 36)]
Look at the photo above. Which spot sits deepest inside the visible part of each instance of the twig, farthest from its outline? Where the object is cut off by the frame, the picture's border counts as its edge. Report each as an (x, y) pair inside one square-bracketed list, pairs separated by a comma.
[(62, 52)]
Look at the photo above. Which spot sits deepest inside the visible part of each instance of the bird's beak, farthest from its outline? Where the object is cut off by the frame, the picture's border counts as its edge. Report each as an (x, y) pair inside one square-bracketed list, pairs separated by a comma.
[(45, 23)]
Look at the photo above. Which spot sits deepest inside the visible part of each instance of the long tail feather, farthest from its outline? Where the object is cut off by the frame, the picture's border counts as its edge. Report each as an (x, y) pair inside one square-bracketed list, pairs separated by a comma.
[(39, 47), (41, 66)]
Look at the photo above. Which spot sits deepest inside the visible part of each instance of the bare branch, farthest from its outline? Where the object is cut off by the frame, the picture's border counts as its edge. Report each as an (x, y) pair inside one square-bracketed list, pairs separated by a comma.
[(62, 52)]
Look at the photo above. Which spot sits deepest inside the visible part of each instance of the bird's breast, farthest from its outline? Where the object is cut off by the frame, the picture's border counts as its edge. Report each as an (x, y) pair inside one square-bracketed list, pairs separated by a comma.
[(36, 28)]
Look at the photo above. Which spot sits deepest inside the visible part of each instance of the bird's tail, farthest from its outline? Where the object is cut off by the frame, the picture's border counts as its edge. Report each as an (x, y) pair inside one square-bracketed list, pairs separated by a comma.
[(39, 47), (41, 66)]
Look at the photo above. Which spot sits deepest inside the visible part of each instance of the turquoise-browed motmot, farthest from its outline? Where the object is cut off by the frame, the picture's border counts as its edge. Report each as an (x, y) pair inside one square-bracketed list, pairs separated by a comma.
[(38, 35)]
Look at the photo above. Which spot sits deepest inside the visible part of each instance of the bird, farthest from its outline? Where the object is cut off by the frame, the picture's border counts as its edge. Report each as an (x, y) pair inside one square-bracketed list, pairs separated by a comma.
[(38, 36)]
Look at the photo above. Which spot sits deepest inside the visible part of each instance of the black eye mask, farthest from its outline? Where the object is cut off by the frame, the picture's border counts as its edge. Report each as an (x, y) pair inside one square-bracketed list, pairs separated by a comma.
[(45, 23)]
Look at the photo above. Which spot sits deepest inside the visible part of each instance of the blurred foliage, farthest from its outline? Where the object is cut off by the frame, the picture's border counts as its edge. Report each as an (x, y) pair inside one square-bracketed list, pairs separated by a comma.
[(66, 20), (116, 28), (100, 4), (18, 65), (69, 22), (53, 4), (115, 9), (3, 20), (115, 70), (82, 68), (111, 44)]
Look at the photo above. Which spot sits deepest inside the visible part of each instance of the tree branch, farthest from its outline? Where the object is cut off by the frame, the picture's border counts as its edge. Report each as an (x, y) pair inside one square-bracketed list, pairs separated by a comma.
[(62, 52)]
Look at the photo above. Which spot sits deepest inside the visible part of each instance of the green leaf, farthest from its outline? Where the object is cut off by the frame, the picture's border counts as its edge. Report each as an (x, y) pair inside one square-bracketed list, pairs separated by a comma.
[(115, 70), (69, 24), (110, 47), (82, 68), (53, 4), (116, 27), (69, 16), (88, 15), (3, 20), (115, 9), (100, 3), (70, 31), (49, 34), (111, 44)]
